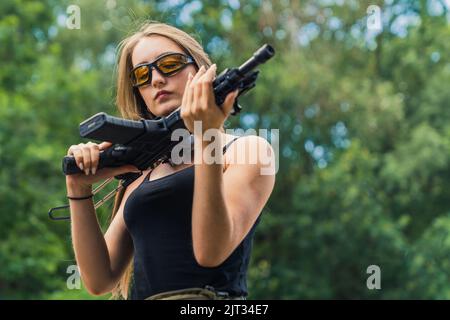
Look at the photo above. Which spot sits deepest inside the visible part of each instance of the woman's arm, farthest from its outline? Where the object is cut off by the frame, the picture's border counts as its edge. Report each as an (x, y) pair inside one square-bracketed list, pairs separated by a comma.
[(226, 205), (101, 259)]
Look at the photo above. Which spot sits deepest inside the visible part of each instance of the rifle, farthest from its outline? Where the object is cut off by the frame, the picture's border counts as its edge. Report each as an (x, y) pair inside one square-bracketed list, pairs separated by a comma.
[(147, 143)]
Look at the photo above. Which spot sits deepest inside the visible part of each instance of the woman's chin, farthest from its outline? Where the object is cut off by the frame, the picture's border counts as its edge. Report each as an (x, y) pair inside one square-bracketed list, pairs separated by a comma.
[(165, 110)]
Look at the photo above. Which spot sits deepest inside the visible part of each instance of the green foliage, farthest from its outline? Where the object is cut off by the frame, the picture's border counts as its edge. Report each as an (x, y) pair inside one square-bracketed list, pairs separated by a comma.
[(364, 126)]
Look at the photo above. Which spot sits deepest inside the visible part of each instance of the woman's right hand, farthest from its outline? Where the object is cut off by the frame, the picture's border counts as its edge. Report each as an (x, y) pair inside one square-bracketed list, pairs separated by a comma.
[(87, 156)]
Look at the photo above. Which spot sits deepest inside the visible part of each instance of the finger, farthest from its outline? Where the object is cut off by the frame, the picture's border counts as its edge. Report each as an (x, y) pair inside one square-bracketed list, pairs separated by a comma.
[(126, 168), (104, 145), (229, 102), (190, 76), (134, 168), (197, 95), (208, 92), (195, 81), (211, 73), (202, 86), (189, 97), (76, 152), (71, 150), (184, 103), (93, 150), (106, 173), (95, 157), (86, 158), (199, 73), (193, 85)]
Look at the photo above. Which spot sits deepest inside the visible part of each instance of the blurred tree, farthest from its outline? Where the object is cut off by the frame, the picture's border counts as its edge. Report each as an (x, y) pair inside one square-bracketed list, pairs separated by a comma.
[(364, 136)]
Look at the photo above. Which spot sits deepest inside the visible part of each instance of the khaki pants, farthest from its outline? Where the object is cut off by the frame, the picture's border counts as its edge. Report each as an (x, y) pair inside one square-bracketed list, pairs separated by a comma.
[(192, 294)]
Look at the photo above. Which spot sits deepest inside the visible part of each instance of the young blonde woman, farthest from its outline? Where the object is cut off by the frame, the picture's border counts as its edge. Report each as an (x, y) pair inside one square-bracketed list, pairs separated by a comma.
[(171, 236)]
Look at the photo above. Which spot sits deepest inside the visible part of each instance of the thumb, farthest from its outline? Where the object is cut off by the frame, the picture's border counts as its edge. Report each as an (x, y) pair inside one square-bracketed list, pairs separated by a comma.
[(229, 101), (108, 172), (125, 169), (104, 145), (130, 168)]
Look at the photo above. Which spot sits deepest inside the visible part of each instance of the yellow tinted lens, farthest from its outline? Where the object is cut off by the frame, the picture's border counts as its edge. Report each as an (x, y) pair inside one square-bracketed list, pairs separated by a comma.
[(171, 63), (141, 75)]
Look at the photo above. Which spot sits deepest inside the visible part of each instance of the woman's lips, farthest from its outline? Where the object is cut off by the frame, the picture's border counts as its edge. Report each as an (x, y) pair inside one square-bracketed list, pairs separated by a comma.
[(162, 96)]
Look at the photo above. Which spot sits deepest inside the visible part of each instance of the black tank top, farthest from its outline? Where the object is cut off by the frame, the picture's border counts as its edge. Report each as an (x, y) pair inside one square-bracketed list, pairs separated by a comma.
[(158, 217)]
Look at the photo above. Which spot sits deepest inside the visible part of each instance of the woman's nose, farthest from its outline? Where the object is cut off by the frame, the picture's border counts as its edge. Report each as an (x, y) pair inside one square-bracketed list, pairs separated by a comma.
[(157, 78)]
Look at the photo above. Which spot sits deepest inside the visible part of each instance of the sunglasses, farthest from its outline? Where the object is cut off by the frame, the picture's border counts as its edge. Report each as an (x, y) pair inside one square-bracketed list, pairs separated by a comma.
[(168, 65)]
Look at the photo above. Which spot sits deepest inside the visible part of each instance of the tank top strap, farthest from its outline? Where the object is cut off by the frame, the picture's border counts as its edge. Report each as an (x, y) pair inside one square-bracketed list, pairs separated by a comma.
[(224, 149), (147, 176), (228, 144)]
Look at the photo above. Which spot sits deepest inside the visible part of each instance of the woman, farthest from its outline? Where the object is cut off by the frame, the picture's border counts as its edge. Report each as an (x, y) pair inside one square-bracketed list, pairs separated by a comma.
[(179, 237)]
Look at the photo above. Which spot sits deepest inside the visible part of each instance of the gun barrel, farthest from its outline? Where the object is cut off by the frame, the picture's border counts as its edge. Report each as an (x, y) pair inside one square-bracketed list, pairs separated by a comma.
[(260, 56)]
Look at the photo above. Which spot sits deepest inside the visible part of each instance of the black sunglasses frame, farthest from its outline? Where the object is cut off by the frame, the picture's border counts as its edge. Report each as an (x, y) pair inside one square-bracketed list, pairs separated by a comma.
[(154, 65)]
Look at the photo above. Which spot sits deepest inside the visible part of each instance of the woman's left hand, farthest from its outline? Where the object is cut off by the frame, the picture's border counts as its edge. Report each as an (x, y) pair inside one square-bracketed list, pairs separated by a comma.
[(199, 103)]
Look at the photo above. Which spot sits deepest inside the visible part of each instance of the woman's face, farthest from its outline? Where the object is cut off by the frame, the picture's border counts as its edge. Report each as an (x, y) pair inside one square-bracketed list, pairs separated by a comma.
[(147, 50)]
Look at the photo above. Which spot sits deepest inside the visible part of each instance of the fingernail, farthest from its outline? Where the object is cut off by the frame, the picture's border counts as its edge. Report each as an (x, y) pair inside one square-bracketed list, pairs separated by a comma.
[(94, 170), (81, 166), (86, 171)]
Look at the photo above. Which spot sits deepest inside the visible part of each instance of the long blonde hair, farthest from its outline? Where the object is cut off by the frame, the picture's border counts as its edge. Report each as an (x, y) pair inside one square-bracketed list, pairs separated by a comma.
[(130, 103)]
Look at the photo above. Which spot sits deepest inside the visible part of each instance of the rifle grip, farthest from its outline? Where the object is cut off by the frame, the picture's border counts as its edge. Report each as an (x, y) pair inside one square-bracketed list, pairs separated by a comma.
[(69, 166)]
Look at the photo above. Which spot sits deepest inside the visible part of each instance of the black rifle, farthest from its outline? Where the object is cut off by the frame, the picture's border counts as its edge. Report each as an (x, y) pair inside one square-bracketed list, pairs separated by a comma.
[(147, 143)]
